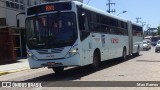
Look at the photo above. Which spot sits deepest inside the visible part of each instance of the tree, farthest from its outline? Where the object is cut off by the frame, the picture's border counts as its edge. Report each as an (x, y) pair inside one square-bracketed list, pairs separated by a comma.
[(158, 30)]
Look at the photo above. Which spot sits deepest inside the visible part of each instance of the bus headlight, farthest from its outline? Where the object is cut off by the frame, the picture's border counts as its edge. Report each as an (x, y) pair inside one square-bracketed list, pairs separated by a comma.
[(30, 55), (71, 53), (74, 51)]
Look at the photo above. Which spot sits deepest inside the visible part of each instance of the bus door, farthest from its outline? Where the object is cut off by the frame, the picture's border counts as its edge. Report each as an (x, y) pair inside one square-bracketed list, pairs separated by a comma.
[(105, 47), (84, 37), (96, 40)]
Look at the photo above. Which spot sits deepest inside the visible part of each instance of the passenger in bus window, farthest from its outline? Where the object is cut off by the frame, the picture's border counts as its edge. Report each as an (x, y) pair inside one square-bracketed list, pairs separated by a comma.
[(69, 24), (57, 25)]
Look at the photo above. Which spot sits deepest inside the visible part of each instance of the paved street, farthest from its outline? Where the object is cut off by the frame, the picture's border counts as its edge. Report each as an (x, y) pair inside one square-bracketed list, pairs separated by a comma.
[(146, 67)]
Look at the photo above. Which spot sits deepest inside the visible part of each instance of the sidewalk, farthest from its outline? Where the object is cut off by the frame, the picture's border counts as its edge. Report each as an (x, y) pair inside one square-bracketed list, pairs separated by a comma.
[(20, 65)]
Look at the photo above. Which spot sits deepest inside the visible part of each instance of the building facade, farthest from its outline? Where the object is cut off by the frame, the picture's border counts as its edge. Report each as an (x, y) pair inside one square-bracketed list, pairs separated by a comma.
[(12, 34)]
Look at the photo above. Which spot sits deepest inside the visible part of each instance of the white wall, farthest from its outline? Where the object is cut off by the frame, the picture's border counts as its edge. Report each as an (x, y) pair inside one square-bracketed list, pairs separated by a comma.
[(2, 10), (11, 18), (10, 14)]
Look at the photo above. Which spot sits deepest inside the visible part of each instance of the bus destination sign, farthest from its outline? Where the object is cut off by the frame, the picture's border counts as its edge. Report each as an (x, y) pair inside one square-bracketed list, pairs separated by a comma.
[(49, 8)]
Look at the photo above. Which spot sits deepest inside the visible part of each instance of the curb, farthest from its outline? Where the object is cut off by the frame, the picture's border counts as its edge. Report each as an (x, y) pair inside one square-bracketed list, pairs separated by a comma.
[(3, 73), (13, 71)]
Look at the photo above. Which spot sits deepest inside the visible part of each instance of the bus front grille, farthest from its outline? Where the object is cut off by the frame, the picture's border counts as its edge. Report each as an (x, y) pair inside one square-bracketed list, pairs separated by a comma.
[(50, 51)]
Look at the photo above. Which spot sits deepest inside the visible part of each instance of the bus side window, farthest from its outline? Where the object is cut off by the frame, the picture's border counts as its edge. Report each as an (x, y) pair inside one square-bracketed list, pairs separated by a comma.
[(81, 19), (83, 26), (107, 29)]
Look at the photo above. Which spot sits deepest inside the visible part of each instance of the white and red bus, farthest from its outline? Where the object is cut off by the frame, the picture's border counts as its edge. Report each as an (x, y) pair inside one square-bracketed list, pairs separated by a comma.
[(63, 34)]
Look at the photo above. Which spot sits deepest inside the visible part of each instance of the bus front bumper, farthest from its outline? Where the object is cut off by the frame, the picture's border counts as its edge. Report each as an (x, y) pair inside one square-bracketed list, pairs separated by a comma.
[(72, 61)]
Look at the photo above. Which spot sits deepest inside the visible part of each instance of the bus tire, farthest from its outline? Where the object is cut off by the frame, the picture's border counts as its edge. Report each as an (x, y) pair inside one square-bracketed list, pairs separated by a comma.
[(96, 60), (124, 55), (155, 51), (58, 70)]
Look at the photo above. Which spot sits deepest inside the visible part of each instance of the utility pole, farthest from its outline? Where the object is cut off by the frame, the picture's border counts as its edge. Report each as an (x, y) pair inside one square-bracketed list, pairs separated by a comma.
[(109, 4), (148, 31), (138, 19), (143, 23)]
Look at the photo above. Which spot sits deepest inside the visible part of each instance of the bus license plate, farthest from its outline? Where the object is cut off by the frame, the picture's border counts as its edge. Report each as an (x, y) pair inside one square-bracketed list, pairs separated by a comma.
[(51, 63)]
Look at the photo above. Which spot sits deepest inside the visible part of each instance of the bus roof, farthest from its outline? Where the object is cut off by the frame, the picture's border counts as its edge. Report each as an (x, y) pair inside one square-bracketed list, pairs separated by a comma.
[(148, 37), (89, 8)]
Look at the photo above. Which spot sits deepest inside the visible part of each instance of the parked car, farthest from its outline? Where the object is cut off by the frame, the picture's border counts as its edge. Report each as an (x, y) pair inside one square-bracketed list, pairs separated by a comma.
[(146, 45), (157, 46)]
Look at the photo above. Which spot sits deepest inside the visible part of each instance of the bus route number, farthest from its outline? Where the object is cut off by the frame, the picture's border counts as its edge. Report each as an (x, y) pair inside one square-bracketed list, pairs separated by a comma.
[(49, 8)]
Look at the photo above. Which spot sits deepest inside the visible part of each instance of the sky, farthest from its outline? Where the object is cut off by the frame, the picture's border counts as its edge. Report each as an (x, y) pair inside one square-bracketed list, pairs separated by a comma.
[(147, 10)]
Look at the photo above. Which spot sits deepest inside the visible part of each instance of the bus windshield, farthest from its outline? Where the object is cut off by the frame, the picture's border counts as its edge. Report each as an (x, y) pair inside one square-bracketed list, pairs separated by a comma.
[(51, 30)]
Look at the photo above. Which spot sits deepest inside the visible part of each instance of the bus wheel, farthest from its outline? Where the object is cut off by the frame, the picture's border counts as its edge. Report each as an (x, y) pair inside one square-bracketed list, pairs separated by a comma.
[(124, 55), (155, 50), (58, 70), (96, 61)]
